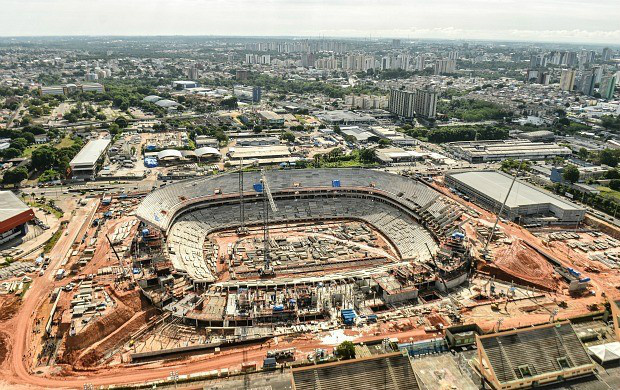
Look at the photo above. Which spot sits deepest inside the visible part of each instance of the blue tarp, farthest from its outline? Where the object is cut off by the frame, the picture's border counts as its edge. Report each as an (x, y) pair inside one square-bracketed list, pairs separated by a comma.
[(335, 183), (258, 187)]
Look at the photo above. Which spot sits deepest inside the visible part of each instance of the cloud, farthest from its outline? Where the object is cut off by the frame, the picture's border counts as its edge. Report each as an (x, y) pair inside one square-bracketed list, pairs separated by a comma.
[(557, 20)]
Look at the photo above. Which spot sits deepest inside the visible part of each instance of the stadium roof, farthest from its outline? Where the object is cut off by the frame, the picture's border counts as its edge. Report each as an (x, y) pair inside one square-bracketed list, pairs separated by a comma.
[(393, 371), (525, 354), (91, 152), (496, 185), (13, 211)]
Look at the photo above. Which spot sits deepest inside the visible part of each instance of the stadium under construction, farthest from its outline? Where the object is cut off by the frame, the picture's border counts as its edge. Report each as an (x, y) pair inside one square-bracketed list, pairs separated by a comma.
[(259, 249)]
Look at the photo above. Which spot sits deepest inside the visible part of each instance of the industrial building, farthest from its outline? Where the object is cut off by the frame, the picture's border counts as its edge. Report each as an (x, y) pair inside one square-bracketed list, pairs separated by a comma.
[(70, 88), (485, 151), (86, 163), (273, 154), (14, 215), (525, 204), (532, 357)]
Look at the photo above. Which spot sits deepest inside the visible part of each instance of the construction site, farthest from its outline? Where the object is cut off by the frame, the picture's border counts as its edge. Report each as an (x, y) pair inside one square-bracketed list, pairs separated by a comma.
[(249, 270)]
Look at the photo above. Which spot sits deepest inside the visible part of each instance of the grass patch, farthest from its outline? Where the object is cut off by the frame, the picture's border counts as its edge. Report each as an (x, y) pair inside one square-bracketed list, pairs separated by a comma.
[(53, 240), (609, 193), (65, 142), (25, 289), (46, 207)]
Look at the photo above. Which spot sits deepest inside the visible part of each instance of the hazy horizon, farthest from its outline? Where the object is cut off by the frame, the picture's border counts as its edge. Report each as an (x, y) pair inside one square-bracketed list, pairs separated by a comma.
[(561, 21)]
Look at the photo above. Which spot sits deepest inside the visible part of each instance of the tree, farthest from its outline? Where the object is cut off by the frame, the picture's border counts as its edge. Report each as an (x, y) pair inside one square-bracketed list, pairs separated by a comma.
[(229, 103), (614, 184), (288, 136), (10, 153), (70, 117), (15, 175), (346, 350), (43, 158), (608, 157), (583, 153), (571, 173), (121, 121), (367, 155), (612, 174)]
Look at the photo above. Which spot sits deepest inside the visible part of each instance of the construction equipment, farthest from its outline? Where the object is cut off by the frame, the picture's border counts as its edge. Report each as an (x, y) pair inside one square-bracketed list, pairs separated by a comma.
[(486, 246), (268, 202)]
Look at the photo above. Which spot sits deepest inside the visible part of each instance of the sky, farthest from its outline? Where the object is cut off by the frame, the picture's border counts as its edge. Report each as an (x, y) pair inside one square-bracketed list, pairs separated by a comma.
[(569, 21)]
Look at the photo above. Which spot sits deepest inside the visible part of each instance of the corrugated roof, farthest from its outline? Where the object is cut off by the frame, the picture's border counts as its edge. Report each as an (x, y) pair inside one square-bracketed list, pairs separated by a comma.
[(91, 152), (496, 185), (11, 205)]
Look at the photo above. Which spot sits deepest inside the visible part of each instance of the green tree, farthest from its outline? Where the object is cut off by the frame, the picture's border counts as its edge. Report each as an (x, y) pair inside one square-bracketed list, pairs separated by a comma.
[(288, 136), (367, 155), (10, 153), (346, 350), (608, 157), (614, 184), (571, 173), (583, 153), (15, 175), (121, 121), (43, 158)]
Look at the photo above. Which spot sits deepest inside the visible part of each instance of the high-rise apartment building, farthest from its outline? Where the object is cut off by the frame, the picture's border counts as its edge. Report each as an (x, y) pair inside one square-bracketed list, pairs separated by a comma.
[(608, 87), (408, 104), (402, 103), (567, 79), (425, 104), (445, 66)]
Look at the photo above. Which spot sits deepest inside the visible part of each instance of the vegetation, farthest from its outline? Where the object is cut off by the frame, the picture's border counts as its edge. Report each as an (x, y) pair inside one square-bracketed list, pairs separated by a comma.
[(53, 240), (335, 158), (611, 122), (15, 176), (346, 350), (466, 133), (609, 157), (571, 174), (472, 110)]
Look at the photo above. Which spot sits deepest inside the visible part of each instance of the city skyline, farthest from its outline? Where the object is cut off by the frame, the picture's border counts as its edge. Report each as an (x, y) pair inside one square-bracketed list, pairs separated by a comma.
[(544, 21)]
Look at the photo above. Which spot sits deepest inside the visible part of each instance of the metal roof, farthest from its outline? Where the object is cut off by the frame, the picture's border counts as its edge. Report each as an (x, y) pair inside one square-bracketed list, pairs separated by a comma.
[(496, 185), (91, 152), (207, 150), (169, 153), (11, 205)]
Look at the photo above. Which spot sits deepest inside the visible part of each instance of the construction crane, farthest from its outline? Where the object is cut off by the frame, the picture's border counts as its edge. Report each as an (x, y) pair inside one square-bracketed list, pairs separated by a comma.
[(492, 233), (268, 203)]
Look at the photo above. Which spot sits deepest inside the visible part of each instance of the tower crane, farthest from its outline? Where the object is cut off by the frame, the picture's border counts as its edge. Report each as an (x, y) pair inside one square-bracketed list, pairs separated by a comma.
[(268, 203)]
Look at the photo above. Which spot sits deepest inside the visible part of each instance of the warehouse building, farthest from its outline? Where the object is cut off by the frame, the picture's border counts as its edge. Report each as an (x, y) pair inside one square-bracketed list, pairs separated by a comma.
[(14, 216), (532, 357), (485, 151), (87, 162), (526, 204)]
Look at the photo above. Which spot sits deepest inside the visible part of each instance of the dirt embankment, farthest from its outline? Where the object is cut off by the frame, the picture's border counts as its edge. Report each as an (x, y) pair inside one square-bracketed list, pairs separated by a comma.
[(525, 263), (9, 306), (4, 347), (109, 330), (121, 335)]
